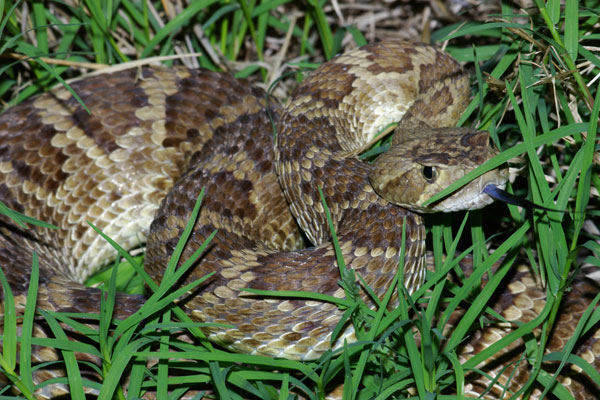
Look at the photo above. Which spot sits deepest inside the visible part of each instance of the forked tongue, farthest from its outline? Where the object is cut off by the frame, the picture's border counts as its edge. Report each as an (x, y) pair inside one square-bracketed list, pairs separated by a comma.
[(501, 195)]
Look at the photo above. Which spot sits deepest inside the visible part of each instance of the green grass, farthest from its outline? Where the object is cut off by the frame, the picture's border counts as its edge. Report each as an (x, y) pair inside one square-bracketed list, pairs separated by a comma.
[(532, 90)]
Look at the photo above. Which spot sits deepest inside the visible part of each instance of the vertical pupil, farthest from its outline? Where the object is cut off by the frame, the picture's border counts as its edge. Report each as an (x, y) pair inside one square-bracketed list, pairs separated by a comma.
[(428, 172)]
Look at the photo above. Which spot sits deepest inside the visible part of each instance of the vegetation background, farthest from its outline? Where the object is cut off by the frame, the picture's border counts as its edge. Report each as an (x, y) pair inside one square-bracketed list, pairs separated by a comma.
[(535, 71)]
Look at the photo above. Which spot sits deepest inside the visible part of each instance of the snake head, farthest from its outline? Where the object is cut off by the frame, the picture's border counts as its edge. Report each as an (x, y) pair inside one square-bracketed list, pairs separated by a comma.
[(422, 161)]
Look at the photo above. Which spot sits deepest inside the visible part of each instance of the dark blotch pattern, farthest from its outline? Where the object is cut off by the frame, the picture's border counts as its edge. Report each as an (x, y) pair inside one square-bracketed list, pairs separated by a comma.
[(181, 131)]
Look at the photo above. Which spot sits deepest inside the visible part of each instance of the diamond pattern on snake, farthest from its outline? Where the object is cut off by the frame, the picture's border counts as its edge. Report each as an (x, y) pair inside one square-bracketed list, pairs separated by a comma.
[(155, 137)]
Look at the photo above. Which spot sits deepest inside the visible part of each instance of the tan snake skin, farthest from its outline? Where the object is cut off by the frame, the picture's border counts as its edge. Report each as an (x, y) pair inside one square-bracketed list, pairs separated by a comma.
[(155, 137)]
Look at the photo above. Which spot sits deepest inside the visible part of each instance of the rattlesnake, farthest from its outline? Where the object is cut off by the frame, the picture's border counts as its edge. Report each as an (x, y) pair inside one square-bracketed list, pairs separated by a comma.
[(155, 137)]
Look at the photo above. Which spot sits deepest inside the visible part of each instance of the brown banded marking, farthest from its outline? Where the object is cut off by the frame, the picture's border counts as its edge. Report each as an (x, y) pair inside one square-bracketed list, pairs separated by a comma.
[(207, 130)]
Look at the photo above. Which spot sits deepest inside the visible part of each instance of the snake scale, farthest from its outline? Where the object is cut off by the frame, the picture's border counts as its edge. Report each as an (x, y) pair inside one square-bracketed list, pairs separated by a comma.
[(154, 137)]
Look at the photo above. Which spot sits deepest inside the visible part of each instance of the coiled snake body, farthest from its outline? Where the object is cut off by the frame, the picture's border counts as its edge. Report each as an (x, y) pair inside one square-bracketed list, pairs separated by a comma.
[(156, 136)]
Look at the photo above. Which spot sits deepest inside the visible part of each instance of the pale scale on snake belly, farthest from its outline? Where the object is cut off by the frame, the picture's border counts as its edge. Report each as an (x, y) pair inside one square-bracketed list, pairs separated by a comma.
[(156, 136)]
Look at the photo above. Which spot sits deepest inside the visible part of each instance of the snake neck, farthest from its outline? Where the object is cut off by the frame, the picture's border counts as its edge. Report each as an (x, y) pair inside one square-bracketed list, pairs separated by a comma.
[(305, 167)]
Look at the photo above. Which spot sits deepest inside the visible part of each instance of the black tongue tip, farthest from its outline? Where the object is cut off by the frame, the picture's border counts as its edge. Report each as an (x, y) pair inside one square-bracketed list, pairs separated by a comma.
[(501, 195)]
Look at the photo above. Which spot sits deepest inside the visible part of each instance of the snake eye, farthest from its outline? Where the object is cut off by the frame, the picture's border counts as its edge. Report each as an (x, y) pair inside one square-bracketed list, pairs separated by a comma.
[(429, 173)]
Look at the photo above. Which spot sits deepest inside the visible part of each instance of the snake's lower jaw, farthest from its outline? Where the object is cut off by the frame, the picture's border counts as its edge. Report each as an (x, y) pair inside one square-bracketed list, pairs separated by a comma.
[(472, 196), (475, 202)]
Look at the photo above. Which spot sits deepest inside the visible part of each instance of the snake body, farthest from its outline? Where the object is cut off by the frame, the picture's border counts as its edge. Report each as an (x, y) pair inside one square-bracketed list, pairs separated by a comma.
[(135, 165)]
